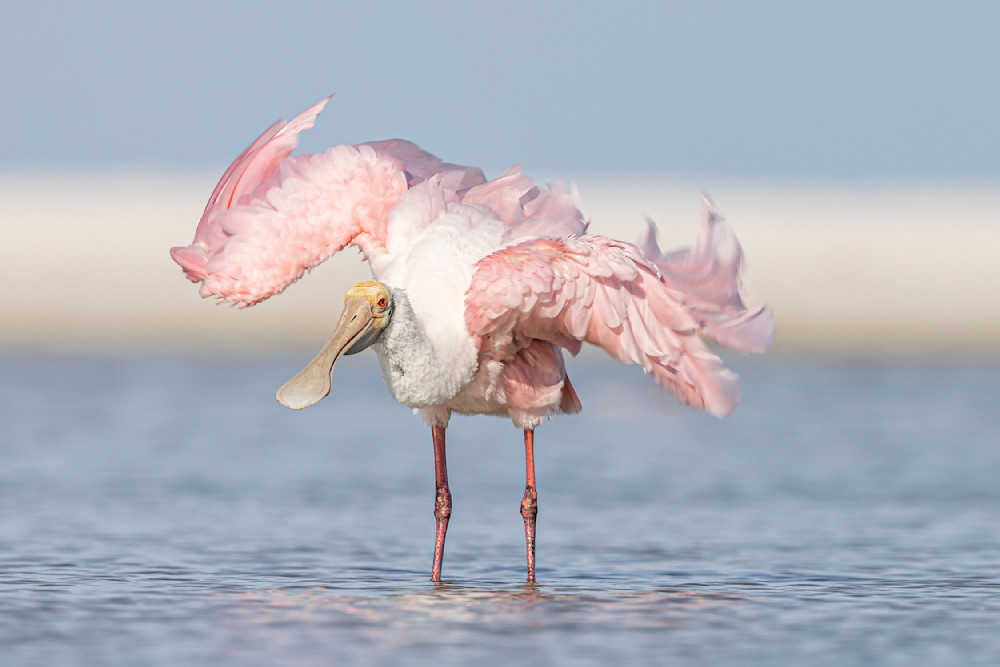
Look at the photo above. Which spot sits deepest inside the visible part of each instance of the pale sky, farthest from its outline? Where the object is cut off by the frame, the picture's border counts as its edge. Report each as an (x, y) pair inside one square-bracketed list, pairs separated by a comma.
[(853, 89)]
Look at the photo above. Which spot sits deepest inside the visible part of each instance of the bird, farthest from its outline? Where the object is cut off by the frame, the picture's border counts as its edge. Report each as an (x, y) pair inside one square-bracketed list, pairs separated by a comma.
[(479, 286)]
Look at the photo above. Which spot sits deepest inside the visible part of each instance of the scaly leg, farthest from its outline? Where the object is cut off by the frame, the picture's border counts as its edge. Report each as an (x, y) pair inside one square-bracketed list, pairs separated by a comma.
[(529, 505), (442, 504)]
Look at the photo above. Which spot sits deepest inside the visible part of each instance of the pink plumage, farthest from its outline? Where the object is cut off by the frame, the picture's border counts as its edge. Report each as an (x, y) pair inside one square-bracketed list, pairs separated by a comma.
[(273, 216), (481, 286)]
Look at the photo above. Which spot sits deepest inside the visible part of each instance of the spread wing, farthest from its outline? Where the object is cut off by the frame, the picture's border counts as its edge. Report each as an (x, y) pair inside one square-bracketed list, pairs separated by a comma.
[(273, 216), (605, 292), (258, 163)]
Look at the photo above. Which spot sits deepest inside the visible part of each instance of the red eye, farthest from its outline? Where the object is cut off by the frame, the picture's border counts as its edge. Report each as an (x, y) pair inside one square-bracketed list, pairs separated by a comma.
[(382, 302)]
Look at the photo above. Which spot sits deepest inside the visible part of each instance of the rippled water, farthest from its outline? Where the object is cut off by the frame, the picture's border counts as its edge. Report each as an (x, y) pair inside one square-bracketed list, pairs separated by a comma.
[(170, 512)]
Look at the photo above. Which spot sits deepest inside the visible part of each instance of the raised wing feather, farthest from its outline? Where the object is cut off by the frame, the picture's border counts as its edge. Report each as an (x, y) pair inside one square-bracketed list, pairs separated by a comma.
[(605, 292), (708, 274), (421, 165), (257, 164), (274, 216), (528, 209)]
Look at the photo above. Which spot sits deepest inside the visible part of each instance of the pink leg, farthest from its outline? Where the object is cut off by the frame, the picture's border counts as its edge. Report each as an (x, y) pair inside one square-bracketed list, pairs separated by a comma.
[(442, 505), (529, 505)]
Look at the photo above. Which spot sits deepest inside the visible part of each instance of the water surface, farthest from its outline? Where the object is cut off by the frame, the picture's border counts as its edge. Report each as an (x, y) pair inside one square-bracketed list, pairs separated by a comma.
[(168, 511)]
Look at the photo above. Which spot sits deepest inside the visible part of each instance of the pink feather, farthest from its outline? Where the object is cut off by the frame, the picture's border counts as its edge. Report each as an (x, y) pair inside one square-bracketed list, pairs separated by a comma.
[(421, 165), (254, 166), (708, 275), (608, 293), (528, 209), (273, 216), (475, 334)]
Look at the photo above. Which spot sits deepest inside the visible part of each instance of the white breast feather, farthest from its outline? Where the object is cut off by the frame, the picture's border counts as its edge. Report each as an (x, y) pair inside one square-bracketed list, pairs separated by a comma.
[(431, 365)]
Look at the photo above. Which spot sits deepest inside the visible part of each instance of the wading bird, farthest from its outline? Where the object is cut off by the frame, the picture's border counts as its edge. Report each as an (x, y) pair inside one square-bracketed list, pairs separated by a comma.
[(480, 285)]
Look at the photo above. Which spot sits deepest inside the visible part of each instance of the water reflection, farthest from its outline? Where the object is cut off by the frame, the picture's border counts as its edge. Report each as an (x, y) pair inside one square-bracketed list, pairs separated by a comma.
[(485, 607)]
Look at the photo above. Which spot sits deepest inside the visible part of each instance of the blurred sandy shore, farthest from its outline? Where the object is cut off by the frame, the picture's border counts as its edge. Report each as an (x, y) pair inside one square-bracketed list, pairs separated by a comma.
[(897, 270)]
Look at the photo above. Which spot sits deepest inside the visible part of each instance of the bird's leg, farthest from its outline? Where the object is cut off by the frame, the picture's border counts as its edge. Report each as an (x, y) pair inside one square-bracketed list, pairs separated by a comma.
[(529, 504), (442, 504)]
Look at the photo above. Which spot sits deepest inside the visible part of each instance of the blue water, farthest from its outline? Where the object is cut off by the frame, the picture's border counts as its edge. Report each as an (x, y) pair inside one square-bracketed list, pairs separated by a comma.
[(168, 511)]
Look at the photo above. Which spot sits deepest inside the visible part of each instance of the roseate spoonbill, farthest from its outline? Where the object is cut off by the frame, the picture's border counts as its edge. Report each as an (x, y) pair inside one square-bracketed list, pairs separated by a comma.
[(480, 286)]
